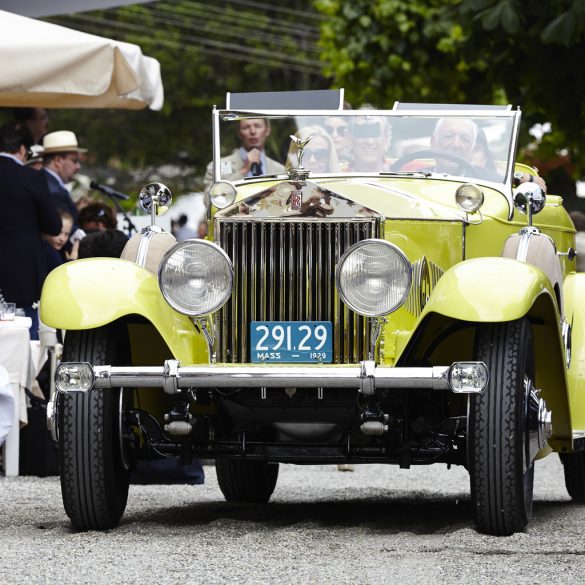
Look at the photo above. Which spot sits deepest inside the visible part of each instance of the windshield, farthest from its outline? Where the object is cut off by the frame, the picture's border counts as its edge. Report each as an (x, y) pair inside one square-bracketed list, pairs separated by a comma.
[(367, 141)]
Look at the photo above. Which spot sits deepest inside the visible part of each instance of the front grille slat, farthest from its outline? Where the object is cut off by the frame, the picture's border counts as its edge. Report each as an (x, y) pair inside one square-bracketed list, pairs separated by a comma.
[(237, 289), (300, 276), (329, 274), (262, 279), (291, 272), (253, 274), (285, 271), (245, 286), (318, 275), (282, 283), (223, 322)]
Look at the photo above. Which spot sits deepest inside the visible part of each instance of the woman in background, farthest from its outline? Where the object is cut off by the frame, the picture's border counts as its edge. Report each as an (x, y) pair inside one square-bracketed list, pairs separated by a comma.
[(319, 154)]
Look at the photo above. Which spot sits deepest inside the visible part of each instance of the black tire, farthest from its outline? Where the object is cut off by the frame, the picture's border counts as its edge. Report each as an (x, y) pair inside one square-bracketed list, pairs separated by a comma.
[(574, 466), (246, 481), (94, 482), (501, 476)]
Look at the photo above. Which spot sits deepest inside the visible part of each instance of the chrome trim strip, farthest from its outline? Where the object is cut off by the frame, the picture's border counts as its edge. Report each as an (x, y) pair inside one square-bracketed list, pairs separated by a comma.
[(430, 113), (464, 238), (524, 244), (143, 246), (216, 145)]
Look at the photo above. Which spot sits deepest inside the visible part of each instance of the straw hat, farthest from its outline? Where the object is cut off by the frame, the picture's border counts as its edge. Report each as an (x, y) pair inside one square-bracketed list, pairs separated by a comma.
[(61, 141)]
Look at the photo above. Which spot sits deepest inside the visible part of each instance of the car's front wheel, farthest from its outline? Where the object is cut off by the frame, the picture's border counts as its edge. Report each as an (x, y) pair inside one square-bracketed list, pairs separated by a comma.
[(500, 469), (246, 481), (94, 479)]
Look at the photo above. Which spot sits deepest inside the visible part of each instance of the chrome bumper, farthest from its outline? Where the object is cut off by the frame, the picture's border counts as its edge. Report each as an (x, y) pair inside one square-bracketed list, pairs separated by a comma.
[(366, 377)]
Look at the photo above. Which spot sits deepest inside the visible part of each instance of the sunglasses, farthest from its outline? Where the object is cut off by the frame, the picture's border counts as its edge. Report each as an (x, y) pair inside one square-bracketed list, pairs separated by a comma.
[(320, 154), (333, 130), (372, 130)]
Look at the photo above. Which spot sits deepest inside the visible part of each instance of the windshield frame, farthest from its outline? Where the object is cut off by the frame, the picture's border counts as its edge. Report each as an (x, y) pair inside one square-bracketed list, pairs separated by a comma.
[(399, 111)]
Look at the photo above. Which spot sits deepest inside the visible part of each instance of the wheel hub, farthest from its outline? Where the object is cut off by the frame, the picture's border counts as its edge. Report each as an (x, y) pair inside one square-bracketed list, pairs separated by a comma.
[(538, 421)]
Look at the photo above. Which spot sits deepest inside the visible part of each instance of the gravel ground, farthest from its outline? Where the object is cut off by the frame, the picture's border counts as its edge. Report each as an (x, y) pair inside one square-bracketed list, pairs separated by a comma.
[(378, 524)]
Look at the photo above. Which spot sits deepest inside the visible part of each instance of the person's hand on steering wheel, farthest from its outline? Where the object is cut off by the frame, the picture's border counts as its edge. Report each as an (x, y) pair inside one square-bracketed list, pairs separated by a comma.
[(462, 164)]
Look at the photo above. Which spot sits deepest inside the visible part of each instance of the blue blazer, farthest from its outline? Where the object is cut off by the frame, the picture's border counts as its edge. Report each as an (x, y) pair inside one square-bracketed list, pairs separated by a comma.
[(61, 197), (27, 211)]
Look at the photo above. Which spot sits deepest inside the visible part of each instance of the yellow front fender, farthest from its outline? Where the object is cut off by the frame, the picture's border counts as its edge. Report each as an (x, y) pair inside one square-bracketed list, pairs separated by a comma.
[(489, 290), (493, 290), (90, 293)]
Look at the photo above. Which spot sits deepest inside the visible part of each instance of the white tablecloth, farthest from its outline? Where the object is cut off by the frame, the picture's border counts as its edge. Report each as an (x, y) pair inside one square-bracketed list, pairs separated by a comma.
[(15, 356), (21, 358), (6, 404)]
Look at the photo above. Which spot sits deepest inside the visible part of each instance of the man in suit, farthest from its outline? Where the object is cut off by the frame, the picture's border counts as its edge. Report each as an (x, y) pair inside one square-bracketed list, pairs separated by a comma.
[(250, 159), (28, 211), (61, 160)]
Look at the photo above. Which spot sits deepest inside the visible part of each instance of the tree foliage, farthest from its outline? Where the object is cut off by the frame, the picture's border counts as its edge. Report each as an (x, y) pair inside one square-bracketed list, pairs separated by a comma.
[(469, 51), (205, 49)]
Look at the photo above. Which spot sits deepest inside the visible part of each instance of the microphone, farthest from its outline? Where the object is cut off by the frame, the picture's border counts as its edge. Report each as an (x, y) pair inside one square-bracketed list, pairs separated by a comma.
[(255, 169), (108, 191)]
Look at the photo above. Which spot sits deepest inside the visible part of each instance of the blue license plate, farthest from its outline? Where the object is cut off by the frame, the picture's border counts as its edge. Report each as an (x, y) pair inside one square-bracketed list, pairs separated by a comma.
[(291, 341)]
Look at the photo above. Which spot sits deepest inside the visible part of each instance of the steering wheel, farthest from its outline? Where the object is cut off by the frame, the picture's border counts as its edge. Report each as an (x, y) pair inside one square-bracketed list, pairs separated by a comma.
[(462, 164)]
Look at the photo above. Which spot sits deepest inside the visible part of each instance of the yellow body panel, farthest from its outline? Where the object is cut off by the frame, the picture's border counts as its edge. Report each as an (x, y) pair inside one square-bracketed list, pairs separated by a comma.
[(574, 291), (90, 293)]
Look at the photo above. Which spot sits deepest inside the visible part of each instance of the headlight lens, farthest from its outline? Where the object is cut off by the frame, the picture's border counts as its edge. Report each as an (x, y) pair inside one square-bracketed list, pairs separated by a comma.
[(222, 194), (374, 277), (469, 197), (195, 277)]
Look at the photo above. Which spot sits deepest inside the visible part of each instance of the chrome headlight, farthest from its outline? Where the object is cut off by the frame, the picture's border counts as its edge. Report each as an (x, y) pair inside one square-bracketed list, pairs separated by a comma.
[(469, 197), (373, 277), (222, 194), (195, 277)]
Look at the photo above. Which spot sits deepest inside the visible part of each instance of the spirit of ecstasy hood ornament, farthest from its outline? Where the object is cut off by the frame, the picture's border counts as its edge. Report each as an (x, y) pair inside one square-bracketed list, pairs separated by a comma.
[(299, 173), (300, 143)]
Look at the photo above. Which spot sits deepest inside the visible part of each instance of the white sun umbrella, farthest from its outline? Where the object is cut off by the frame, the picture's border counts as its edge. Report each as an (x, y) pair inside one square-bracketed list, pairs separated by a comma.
[(51, 66)]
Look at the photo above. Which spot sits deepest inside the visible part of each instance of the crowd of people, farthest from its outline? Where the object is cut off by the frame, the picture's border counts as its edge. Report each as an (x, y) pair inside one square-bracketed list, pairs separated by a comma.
[(43, 227)]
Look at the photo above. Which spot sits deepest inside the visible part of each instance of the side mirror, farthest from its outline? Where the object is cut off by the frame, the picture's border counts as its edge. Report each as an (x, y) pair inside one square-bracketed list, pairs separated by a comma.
[(155, 198), (530, 199)]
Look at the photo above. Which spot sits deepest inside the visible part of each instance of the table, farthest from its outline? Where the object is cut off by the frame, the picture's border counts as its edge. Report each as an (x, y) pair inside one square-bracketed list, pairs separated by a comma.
[(22, 359)]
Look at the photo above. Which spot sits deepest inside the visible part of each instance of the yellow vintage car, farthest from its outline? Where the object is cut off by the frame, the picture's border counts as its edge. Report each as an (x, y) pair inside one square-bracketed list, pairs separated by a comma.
[(386, 286)]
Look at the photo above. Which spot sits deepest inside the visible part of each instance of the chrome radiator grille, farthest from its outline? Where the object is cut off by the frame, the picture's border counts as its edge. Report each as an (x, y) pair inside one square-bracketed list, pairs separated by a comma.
[(285, 271)]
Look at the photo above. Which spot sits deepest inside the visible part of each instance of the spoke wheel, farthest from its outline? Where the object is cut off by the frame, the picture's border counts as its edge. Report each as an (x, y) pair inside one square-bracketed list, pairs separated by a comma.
[(246, 481), (499, 442), (94, 479)]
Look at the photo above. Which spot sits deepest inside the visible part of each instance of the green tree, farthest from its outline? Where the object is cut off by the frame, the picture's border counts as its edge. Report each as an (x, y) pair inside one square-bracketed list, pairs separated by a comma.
[(205, 49), (470, 51)]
